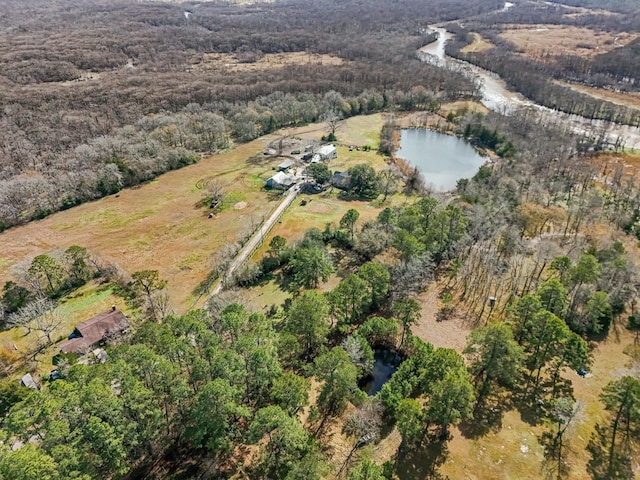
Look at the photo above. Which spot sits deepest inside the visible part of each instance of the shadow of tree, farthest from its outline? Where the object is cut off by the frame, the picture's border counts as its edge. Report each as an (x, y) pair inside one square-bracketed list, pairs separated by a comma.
[(487, 417), (556, 450), (422, 461), (533, 403), (607, 463)]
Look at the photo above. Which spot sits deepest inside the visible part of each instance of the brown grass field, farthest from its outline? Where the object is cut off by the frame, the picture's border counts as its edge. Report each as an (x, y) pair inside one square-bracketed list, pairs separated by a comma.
[(537, 41), (157, 225), (479, 44), (229, 62)]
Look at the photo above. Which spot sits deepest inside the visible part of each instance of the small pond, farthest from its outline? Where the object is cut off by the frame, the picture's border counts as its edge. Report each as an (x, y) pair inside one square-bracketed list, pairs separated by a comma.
[(442, 159), (385, 363)]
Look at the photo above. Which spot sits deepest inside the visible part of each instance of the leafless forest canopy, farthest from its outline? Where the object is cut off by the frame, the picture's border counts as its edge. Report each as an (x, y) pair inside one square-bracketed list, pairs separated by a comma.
[(97, 95), (616, 69)]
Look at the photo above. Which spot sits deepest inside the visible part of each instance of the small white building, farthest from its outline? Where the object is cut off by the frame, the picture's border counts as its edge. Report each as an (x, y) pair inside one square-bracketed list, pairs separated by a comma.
[(28, 381), (327, 152), (281, 181)]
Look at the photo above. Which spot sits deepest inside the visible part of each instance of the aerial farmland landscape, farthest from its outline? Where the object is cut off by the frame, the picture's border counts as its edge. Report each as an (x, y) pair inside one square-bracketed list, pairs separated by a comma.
[(298, 239)]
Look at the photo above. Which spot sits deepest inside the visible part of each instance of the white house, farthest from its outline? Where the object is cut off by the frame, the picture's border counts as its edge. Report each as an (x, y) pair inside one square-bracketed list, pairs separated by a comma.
[(281, 181), (327, 152)]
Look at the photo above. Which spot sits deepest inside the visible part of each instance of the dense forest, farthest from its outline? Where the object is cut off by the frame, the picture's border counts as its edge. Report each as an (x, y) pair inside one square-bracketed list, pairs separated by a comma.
[(537, 252), (227, 391), (101, 95)]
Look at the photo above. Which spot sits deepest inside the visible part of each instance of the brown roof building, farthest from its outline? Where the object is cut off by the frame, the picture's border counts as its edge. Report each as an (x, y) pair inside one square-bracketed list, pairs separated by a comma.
[(93, 331)]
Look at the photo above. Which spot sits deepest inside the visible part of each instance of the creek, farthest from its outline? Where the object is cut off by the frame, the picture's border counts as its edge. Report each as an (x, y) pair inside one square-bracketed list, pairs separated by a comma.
[(497, 97)]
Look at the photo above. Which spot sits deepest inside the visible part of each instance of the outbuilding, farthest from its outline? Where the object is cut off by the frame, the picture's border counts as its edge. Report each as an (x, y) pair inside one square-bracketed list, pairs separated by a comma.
[(327, 152), (281, 181), (28, 381), (286, 165)]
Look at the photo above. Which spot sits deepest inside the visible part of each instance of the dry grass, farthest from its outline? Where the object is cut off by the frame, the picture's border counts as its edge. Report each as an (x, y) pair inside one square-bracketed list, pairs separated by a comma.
[(501, 454), (479, 44), (449, 333), (538, 41), (608, 162), (631, 99), (155, 226), (229, 62)]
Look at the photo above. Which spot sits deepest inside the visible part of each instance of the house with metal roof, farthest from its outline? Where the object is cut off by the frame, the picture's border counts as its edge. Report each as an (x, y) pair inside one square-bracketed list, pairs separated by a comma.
[(286, 165), (281, 181), (92, 332), (327, 152)]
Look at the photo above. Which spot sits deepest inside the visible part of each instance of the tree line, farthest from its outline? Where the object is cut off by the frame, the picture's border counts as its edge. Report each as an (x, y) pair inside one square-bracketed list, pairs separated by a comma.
[(117, 99)]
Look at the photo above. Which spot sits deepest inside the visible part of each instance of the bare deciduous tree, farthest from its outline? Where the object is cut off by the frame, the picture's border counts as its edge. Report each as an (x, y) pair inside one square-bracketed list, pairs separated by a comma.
[(40, 315)]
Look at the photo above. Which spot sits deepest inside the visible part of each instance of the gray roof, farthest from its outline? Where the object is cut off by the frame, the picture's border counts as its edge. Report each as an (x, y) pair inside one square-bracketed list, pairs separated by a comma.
[(28, 381), (326, 150), (282, 178), (286, 164)]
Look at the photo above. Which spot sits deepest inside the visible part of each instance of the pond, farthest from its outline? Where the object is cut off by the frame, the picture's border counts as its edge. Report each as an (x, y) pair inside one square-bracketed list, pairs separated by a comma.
[(385, 363), (442, 159)]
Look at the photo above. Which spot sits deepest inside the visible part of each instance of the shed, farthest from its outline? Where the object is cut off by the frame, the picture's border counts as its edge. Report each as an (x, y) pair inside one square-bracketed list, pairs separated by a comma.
[(341, 180), (327, 152), (286, 165), (281, 181), (93, 331), (28, 381)]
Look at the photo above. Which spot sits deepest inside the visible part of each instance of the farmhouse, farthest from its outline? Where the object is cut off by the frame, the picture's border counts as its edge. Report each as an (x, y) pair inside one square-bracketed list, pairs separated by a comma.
[(95, 330), (327, 152), (281, 181)]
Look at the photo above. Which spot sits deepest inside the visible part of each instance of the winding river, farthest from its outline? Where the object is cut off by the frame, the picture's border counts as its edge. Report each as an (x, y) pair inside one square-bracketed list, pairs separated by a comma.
[(497, 97)]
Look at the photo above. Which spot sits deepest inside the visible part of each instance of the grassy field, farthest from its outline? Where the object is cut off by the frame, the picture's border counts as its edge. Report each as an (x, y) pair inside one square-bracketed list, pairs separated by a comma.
[(158, 226), (229, 62), (537, 41), (479, 44)]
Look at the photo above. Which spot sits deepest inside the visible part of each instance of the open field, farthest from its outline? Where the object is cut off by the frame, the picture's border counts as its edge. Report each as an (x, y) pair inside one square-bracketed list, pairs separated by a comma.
[(479, 44), (158, 226), (224, 61), (537, 41), (155, 226)]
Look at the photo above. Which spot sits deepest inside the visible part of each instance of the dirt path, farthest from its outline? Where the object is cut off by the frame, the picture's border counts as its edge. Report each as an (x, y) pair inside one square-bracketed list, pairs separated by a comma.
[(258, 237)]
